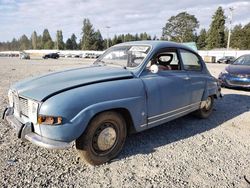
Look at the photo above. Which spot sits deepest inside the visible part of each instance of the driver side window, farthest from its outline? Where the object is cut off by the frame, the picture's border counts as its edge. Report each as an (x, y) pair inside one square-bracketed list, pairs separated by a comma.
[(167, 60)]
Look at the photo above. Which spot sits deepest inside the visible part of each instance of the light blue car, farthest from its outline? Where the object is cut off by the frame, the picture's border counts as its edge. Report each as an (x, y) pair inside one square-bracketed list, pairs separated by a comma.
[(132, 87)]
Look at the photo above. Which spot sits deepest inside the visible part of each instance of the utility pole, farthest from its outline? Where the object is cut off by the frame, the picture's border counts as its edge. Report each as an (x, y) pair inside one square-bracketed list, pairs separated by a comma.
[(230, 27), (107, 27)]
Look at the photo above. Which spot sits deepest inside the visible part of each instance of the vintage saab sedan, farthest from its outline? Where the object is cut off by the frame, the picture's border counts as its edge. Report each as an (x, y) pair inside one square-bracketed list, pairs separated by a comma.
[(130, 88)]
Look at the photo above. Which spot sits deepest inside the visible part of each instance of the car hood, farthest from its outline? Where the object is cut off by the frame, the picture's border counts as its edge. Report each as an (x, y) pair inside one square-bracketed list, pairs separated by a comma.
[(238, 69), (43, 87)]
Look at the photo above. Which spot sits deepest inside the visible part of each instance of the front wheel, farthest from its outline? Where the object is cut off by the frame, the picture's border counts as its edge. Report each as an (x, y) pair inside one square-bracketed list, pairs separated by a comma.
[(206, 108), (103, 139)]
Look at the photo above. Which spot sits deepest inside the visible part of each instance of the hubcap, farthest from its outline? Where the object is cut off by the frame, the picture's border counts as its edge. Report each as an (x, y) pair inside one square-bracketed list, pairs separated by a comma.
[(208, 103), (106, 138)]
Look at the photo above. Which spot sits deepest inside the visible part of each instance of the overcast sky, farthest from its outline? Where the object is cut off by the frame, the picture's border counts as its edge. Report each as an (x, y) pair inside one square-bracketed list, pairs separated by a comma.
[(19, 17)]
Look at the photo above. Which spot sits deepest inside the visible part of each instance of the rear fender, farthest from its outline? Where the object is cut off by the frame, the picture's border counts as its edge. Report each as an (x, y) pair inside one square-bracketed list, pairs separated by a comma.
[(212, 89)]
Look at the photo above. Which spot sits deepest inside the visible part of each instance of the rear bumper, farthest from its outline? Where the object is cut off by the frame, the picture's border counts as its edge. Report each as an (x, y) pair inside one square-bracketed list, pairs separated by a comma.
[(26, 133)]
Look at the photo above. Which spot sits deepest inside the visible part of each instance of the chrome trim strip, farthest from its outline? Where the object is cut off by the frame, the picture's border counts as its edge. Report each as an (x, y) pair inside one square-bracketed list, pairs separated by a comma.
[(174, 110), (171, 115), (143, 125)]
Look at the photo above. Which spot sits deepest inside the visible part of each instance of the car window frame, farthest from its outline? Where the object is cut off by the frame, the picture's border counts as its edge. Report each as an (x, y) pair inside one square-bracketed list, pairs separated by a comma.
[(194, 53), (169, 49)]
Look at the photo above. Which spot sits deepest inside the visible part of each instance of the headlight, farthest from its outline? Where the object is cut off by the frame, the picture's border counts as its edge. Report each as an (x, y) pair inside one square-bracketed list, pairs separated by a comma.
[(11, 99), (32, 110), (49, 120)]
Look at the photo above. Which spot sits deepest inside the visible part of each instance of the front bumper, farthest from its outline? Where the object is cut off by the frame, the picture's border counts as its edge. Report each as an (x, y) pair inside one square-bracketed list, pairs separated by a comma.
[(234, 82), (26, 133)]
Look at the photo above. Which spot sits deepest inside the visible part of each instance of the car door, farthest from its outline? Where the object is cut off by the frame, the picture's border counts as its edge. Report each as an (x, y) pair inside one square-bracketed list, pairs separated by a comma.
[(193, 67), (168, 93)]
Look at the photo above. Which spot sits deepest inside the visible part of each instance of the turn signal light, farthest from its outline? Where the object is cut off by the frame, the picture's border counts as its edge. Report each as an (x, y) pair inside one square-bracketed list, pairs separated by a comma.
[(49, 120)]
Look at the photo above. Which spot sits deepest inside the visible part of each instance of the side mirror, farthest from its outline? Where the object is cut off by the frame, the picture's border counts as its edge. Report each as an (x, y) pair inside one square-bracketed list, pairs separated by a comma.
[(154, 69)]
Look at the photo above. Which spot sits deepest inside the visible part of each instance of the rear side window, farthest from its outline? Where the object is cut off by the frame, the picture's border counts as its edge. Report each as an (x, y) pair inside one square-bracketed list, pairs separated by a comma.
[(190, 61)]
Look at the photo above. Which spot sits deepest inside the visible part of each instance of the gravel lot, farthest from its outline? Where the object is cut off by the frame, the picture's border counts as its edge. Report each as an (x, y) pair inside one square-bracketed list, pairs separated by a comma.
[(186, 152)]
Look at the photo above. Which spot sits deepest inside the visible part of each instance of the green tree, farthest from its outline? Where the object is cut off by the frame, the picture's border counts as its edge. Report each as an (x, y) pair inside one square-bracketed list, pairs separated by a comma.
[(14, 45), (216, 32), (144, 36), (128, 37), (34, 40), (69, 45), (88, 35), (59, 44), (201, 41), (180, 28), (46, 40), (39, 42), (98, 44), (24, 42), (246, 37), (73, 42)]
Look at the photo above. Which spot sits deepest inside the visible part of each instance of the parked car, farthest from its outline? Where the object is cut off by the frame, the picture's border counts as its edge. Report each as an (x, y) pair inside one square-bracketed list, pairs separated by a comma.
[(237, 75), (61, 55), (51, 55), (68, 55), (24, 55), (83, 55), (226, 59), (91, 55), (96, 107)]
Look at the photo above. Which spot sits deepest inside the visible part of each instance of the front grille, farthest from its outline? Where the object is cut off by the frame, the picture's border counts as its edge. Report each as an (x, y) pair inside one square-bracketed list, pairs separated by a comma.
[(23, 106), (16, 103), (20, 105)]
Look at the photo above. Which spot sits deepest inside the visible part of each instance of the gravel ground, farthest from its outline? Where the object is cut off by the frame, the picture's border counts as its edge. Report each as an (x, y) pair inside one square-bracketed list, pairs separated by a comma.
[(186, 152)]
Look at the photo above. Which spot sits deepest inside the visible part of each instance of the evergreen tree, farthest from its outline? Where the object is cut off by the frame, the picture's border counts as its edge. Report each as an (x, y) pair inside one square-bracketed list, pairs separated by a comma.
[(137, 37), (216, 33), (59, 40), (119, 39), (73, 41), (39, 42), (98, 44), (46, 40), (34, 40), (180, 28), (114, 40), (88, 35), (201, 41), (14, 45), (246, 37), (69, 45), (24, 43)]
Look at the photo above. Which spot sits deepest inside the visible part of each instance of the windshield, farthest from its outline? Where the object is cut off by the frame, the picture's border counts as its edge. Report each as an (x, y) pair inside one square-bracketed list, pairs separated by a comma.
[(243, 60), (124, 56)]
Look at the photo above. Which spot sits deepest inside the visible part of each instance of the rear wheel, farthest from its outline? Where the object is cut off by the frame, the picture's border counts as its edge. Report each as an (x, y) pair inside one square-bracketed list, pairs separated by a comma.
[(206, 108), (103, 139)]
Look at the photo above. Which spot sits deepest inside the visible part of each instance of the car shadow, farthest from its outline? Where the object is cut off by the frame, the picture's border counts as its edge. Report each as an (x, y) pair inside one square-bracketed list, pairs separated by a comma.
[(230, 106)]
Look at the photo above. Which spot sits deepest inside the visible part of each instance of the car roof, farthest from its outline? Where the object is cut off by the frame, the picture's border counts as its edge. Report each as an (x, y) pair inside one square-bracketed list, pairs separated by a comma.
[(157, 44)]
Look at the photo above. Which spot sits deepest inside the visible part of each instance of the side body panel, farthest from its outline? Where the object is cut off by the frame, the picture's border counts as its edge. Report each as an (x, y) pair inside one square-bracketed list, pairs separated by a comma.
[(78, 106), (168, 95), (197, 85)]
